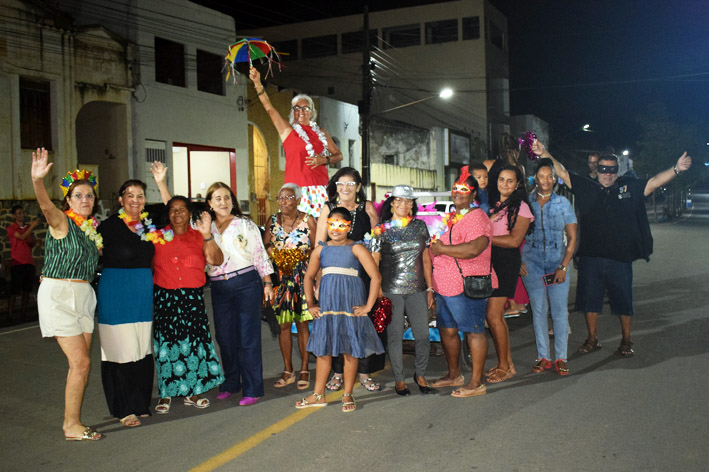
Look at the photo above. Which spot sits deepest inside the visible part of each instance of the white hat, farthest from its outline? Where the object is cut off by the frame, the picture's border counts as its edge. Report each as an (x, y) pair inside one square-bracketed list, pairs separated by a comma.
[(403, 191)]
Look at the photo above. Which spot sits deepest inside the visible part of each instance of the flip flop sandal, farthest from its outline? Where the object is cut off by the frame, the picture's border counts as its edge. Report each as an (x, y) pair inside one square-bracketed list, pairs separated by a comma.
[(163, 407), (349, 406), (130, 421), (541, 365), (303, 380), (335, 383), (370, 385), (561, 367), (306, 404), (200, 403), (286, 378), (474, 392), (87, 435)]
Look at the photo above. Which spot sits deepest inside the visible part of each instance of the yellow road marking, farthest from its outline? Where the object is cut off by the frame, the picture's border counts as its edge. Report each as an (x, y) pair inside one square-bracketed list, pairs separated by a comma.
[(238, 449)]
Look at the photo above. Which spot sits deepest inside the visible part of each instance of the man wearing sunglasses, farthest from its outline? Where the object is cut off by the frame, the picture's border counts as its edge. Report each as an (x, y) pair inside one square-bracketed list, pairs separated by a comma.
[(616, 232)]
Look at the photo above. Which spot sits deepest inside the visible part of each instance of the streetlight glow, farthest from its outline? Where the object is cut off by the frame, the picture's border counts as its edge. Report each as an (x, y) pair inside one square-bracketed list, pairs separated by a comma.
[(586, 128), (446, 93), (626, 152)]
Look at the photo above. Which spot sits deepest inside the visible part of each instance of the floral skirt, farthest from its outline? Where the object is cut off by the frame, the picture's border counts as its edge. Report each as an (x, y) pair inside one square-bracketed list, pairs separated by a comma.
[(186, 361), (289, 302), (313, 199)]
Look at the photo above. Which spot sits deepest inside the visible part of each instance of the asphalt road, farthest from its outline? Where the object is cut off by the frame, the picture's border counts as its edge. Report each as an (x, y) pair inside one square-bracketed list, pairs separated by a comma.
[(645, 413)]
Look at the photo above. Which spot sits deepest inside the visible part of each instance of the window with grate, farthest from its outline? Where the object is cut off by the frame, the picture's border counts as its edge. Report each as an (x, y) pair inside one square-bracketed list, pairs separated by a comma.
[(471, 27), (401, 36), (444, 31)]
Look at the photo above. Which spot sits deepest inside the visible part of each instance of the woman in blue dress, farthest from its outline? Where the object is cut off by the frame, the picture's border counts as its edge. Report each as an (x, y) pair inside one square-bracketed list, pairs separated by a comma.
[(341, 323)]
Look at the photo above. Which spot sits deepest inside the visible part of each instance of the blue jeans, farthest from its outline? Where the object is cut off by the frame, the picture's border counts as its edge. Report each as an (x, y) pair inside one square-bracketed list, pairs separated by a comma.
[(237, 325), (539, 263)]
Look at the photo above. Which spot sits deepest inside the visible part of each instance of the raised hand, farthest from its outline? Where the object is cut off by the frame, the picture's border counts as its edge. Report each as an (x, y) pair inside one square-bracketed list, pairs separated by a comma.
[(204, 224), (254, 75), (538, 148), (40, 166), (159, 171), (684, 162)]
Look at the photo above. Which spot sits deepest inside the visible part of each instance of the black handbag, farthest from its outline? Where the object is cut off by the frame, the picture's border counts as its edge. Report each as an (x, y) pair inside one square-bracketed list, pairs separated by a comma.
[(475, 286)]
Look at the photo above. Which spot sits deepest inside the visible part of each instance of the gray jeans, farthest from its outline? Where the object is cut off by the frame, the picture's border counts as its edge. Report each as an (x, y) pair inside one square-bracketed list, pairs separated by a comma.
[(416, 307)]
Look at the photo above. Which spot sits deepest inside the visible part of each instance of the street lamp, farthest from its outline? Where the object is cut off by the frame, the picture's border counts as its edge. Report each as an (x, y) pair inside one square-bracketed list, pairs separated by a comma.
[(626, 152), (445, 94), (587, 128)]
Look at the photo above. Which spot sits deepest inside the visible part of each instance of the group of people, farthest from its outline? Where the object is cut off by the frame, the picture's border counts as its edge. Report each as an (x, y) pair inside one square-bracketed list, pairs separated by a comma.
[(336, 258)]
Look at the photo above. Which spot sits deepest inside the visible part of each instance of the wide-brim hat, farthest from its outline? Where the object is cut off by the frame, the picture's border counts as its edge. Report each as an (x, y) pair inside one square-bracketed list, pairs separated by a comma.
[(403, 191)]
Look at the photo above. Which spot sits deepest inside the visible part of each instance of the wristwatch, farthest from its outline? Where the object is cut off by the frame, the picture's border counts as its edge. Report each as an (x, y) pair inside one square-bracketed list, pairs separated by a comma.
[(562, 267)]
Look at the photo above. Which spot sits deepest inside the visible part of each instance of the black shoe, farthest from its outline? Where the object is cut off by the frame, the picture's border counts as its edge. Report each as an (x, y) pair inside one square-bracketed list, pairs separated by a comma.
[(426, 389), (403, 392)]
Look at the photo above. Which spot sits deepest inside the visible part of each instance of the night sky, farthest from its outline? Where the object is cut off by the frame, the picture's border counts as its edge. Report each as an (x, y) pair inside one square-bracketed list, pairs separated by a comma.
[(573, 62)]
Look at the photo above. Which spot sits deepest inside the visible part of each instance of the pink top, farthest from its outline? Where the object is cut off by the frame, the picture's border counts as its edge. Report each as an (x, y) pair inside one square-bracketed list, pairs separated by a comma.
[(499, 222), (447, 280), (297, 171), (20, 250)]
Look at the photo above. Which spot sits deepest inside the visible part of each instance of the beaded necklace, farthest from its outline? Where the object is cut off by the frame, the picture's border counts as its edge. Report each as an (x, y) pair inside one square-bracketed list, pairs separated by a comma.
[(308, 145)]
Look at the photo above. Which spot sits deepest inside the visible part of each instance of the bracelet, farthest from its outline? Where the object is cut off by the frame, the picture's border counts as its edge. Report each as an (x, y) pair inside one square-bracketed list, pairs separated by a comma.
[(263, 90), (675, 169), (268, 283), (429, 289), (327, 156), (211, 238)]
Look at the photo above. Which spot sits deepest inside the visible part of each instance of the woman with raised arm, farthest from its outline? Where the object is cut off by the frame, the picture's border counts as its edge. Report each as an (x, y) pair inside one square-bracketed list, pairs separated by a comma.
[(309, 150), (66, 300)]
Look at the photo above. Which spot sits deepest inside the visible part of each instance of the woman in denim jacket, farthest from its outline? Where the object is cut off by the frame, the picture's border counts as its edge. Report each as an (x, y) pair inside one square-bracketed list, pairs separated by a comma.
[(546, 255)]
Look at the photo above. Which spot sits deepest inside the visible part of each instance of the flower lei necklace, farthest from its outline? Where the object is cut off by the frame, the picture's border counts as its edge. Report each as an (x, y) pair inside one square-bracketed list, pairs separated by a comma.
[(308, 145), (449, 220), (400, 223), (155, 236), (88, 226)]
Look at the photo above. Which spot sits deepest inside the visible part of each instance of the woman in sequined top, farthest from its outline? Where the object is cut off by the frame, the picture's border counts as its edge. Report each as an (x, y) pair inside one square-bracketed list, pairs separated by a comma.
[(289, 241), (399, 248)]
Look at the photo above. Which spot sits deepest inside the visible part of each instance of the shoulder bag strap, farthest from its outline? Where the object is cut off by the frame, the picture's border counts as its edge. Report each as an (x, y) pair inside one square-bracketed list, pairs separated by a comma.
[(450, 239)]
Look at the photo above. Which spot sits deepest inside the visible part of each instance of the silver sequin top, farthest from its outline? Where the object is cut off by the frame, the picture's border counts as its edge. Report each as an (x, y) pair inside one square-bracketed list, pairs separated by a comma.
[(401, 263)]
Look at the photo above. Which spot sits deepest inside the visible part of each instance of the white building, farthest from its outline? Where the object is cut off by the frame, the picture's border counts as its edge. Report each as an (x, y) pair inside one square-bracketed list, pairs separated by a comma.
[(415, 53), (145, 85)]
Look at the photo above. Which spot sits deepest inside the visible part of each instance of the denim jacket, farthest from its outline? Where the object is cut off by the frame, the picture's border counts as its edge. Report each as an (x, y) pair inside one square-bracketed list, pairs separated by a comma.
[(550, 221)]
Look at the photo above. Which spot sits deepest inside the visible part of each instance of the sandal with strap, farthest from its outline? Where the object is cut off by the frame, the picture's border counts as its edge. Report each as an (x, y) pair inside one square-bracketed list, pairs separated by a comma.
[(163, 406), (87, 435), (625, 349), (335, 383), (304, 403), (199, 403), (589, 346), (541, 365), (286, 378), (303, 380), (370, 384), (560, 366), (349, 406), (501, 375)]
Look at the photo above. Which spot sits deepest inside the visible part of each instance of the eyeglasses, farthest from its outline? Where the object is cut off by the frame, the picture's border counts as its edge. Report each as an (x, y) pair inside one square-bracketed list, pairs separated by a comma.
[(339, 226), (462, 189), (348, 184), (81, 196), (304, 108), (607, 169), (285, 198)]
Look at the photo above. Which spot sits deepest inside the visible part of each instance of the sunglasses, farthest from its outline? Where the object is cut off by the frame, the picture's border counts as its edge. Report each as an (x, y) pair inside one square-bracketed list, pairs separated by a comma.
[(462, 189), (304, 108), (607, 169), (343, 184), (340, 226)]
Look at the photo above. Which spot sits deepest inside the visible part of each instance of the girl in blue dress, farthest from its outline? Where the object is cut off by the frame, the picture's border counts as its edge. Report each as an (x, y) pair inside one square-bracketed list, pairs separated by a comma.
[(341, 323)]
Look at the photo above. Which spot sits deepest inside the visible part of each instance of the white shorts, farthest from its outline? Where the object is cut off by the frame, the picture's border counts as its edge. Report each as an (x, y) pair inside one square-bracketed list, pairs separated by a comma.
[(313, 199), (65, 308)]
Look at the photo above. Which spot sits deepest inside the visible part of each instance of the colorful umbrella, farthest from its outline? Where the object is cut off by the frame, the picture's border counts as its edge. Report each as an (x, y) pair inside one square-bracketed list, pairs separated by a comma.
[(248, 49)]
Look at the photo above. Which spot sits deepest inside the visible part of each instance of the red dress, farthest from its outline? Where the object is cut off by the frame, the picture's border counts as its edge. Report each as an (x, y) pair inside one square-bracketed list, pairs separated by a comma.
[(297, 171)]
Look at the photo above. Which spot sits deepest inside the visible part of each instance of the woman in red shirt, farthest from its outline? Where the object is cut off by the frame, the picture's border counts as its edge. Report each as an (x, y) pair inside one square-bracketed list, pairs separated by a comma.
[(187, 363), (309, 150)]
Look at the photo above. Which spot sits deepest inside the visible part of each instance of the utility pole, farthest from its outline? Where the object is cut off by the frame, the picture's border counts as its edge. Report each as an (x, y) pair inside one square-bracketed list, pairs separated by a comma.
[(365, 103)]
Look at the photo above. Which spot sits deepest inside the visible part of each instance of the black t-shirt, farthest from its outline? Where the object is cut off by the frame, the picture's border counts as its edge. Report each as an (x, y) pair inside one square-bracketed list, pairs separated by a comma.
[(123, 249), (613, 220)]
